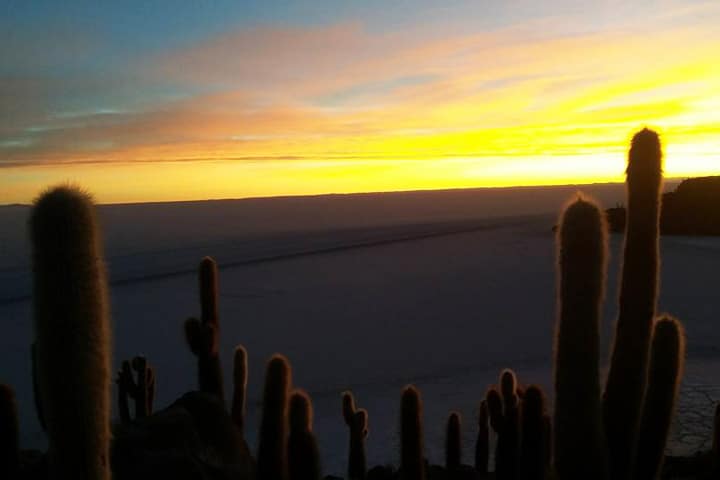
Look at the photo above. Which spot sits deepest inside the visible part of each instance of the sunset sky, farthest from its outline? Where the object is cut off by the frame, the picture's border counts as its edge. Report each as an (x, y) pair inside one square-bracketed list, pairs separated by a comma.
[(165, 100)]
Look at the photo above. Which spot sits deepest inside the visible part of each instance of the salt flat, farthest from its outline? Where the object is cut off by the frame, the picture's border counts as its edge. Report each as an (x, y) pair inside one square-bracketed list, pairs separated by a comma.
[(367, 293)]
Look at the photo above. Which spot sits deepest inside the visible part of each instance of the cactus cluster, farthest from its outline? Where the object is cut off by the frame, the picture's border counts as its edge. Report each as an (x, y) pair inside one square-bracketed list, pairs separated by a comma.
[(617, 433)]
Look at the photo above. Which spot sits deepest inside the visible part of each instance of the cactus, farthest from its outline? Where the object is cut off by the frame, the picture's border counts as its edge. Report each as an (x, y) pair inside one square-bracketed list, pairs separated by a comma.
[(582, 264), (533, 447), (72, 331), (142, 390), (9, 433), (303, 454), (272, 444), (507, 456), (626, 382), (666, 365), (412, 457), (240, 377), (482, 446), (36, 386), (203, 335), (453, 443), (357, 421)]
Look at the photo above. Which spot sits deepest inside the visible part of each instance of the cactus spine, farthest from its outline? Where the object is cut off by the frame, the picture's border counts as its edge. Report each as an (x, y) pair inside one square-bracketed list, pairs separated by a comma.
[(412, 457), (72, 331), (303, 454), (453, 443), (272, 445), (203, 335), (240, 377), (627, 377), (666, 365), (482, 446), (357, 422), (582, 264), (9, 433)]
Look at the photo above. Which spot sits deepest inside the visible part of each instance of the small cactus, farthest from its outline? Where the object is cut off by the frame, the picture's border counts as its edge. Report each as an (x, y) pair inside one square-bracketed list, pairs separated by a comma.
[(72, 330), (507, 456), (240, 377), (627, 378), (453, 443), (533, 448), (582, 264), (203, 335), (9, 433), (357, 421), (142, 390), (303, 454), (482, 446), (272, 444), (666, 365), (412, 456)]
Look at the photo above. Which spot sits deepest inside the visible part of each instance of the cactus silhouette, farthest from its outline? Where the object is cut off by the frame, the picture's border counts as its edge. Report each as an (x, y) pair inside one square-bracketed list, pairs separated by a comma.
[(626, 382), (272, 444), (357, 422), (412, 456), (482, 445), (453, 443), (36, 387), (582, 264), (240, 378), (507, 456), (203, 335), (533, 456), (142, 390), (72, 332), (9, 433), (303, 454), (666, 365)]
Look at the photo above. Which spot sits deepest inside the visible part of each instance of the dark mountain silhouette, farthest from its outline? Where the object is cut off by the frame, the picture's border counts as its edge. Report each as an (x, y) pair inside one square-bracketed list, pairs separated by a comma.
[(693, 208)]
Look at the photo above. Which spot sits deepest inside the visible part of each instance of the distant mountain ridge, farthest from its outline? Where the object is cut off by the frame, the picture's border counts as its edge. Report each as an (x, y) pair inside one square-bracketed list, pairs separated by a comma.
[(693, 208)]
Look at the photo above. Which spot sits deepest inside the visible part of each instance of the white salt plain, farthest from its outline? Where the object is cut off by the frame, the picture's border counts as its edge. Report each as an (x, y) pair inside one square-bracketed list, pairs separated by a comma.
[(440, 289)]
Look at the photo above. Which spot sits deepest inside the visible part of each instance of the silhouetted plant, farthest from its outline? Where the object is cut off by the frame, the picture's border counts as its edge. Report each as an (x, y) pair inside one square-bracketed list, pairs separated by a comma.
[(716, 443), (507, 456), (36, 387), (666, 363), (72, 328), (533, 455), (357, 422), (240, 377), (203, 335), (9, 433), (627, 378), (582, 263), (303, 453), (482, 445), (453, 443), (142, 390), (272, 444), (412, 456)]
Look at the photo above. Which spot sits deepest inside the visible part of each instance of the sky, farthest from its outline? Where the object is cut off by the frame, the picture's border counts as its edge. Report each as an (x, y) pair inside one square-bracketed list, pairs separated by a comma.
[(176, 100)]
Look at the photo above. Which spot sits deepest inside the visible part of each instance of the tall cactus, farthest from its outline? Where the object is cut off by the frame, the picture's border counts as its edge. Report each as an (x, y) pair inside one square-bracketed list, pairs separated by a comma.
[(203, 335), (666, 365), (72, 330), (582, 264), (453, 443), (9, 433), (626, 382), (508, 447), (357, 422), (272, 444), (412, 456), (482, 445), (240, 378), (142, 390), (303, 453)]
